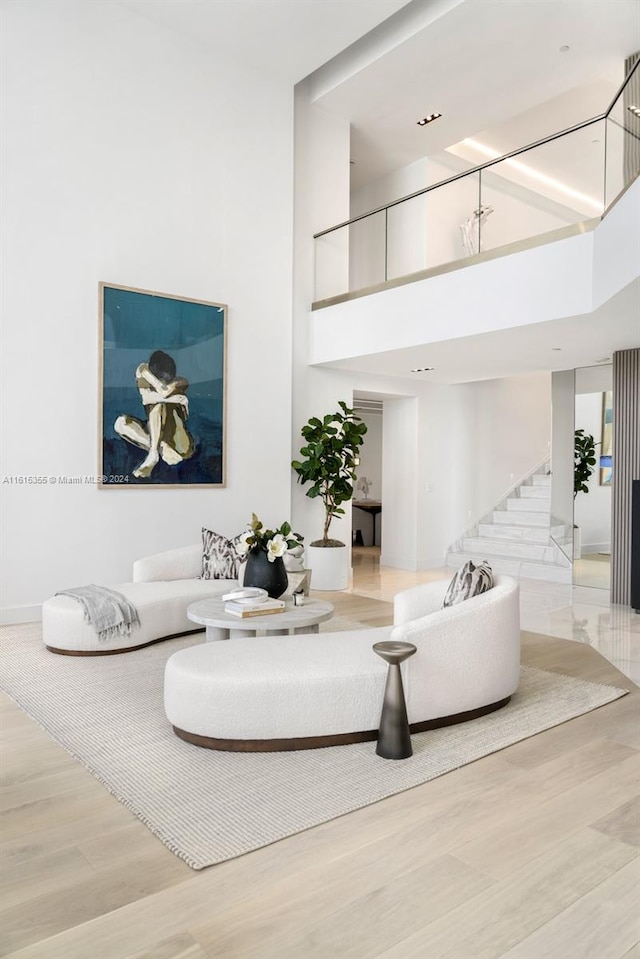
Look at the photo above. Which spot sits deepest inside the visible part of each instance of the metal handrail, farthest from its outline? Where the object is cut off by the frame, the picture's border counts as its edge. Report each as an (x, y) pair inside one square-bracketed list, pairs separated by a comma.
[(487, 164), (622, 86)]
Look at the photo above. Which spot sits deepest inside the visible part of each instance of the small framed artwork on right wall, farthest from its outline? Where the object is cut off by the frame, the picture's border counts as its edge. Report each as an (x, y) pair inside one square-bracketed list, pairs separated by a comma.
[(606, 448)]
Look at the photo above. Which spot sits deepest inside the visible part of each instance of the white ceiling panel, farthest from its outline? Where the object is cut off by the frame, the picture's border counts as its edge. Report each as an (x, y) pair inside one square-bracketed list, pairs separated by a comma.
[(288, 39)]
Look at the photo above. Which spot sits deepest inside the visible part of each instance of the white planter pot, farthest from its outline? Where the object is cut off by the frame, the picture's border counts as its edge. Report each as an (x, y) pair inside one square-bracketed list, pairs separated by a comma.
[(329, 567)]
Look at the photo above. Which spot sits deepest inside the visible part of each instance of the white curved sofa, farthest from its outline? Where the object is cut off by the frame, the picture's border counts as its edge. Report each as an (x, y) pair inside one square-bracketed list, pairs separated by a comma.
[(163, 586), (307, 691)]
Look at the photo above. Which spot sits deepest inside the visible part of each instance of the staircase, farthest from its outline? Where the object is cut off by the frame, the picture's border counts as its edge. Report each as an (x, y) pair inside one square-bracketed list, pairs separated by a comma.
[(519, 537)]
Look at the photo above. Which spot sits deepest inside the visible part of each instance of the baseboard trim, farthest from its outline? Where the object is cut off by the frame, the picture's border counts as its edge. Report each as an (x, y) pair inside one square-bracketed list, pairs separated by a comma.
[(13, 615), (595, 548)]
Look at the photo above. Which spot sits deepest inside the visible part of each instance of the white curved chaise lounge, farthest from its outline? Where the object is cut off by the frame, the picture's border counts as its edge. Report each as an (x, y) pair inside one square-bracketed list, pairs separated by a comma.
[(308, 691), (163, 586)]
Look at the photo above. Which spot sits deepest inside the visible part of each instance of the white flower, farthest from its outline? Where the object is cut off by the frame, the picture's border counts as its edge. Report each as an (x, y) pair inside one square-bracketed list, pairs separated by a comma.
[(276, 547), (242, 547)]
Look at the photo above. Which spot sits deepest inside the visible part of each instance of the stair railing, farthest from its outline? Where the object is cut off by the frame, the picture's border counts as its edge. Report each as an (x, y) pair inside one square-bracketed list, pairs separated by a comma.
[(485, 516)]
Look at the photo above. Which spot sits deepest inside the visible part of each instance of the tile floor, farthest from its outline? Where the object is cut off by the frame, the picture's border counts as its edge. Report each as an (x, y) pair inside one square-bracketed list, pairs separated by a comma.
[(592, 570), (580, 613)]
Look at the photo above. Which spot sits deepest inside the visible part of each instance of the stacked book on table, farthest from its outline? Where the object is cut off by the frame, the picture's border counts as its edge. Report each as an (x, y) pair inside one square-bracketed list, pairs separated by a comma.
[(243, 604), (258, 609)]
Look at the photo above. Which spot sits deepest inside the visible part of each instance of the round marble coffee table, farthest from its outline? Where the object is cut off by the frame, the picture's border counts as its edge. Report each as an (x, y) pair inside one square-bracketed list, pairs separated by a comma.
[(294, 619)]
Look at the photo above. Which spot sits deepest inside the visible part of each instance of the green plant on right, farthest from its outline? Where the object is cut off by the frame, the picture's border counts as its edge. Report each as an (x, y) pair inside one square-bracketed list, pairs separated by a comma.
[(328, 461), (584, 461)]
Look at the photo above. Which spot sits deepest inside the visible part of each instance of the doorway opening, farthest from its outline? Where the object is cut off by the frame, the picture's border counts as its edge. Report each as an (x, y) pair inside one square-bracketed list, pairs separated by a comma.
[(366, 505)]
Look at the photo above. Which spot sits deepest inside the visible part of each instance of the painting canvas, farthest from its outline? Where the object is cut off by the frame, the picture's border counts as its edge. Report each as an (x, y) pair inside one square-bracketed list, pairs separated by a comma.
[(606, 450), (162, 390)]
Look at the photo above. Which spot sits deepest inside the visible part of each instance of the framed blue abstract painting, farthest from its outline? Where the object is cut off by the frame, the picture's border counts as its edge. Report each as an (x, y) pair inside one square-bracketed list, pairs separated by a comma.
[(162, 390)]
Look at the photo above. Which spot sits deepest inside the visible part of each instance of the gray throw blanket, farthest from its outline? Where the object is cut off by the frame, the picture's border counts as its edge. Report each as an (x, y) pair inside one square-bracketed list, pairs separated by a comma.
[(110, 613)]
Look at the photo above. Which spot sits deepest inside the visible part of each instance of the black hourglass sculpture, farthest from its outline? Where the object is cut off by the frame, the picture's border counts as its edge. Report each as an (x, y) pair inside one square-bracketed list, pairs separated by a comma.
[(394, 738)]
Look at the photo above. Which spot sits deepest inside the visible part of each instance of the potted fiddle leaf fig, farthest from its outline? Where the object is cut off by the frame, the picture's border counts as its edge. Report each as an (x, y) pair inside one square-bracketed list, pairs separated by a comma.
[(327, 462)]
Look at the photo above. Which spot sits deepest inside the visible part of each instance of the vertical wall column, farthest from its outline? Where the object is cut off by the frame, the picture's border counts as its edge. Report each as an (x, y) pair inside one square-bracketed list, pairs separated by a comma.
[(626, 467)]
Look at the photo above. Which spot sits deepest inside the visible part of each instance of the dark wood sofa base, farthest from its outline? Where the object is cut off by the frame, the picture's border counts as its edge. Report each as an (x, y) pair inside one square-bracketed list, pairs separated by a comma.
[(320, 742), (123, 649)]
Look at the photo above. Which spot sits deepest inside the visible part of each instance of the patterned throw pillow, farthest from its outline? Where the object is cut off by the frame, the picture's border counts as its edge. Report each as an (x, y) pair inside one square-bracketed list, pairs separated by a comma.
[(220, 559), (469, 581)]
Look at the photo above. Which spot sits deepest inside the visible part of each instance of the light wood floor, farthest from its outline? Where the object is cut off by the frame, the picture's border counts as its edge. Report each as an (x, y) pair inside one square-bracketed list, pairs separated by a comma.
[(531, 852)]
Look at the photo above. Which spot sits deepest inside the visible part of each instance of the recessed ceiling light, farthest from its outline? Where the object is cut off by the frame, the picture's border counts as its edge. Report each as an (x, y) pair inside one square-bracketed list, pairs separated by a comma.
[(556, 349), (429, 119), (593, 141), (604, 359), (564, 49), (634, 109), (422, 369)]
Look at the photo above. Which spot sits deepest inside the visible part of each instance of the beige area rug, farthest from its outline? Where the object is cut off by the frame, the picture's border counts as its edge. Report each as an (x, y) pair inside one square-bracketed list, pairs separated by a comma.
[(209, 806)]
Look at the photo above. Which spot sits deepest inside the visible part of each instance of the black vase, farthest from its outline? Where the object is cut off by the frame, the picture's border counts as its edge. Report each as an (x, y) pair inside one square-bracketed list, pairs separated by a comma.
[(271, 576)]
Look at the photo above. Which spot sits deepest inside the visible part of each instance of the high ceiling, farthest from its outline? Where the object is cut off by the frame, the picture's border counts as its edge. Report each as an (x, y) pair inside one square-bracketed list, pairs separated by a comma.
[(483, 64), (496, 72), (287, 39), (486, 65)]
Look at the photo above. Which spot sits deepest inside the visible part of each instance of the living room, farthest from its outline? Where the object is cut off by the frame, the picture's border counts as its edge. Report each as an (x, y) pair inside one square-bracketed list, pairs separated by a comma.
[(178, 148)]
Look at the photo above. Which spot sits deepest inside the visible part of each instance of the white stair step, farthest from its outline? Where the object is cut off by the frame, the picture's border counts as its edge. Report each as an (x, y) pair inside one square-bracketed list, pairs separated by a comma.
[(513, 567), (539, 479), (532, 505), (528, 534), (535, 492), (533, 552), (523, 518)]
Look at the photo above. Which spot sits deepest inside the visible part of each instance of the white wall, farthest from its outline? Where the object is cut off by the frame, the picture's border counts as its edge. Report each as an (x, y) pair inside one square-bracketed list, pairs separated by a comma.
[(451, 455), (494, 295), (406, 237), (508, 432), (617, 246), (134, 156), (448, 451), (400, 483), (321, 187), (594, 379), (593, 509)]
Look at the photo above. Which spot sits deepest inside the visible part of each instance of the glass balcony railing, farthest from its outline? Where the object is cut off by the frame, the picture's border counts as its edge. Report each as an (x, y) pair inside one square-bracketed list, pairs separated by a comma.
[(562, 180)]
